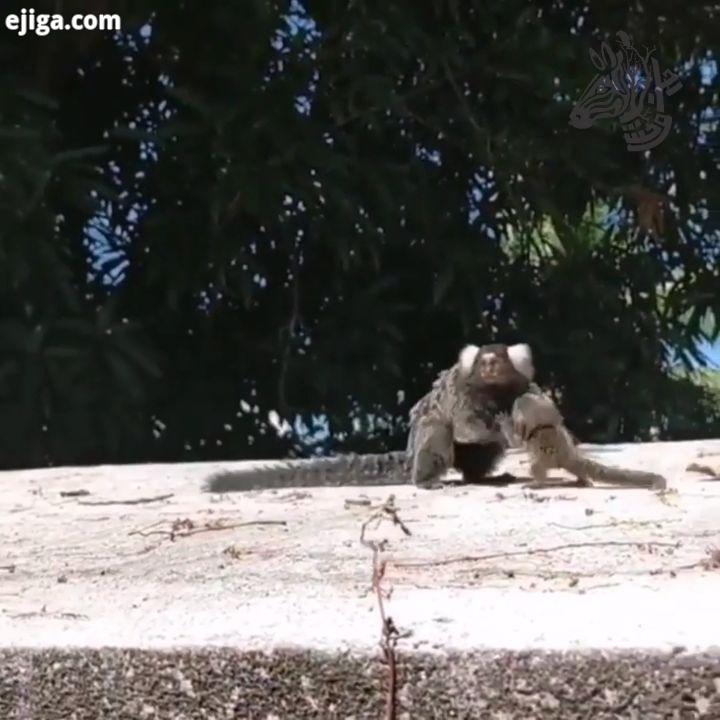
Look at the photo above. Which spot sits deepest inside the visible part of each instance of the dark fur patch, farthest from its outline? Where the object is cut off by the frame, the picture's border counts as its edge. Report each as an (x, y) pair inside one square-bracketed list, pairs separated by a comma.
[(476, 460), (488, 399)]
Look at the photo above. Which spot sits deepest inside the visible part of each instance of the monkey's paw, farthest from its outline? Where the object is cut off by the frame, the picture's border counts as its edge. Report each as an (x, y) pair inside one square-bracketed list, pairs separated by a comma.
[(535, 485), (431, 485)]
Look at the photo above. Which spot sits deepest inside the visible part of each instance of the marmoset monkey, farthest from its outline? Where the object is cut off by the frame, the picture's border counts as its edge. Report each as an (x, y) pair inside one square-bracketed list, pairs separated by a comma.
[(456, 424), (538, 422)]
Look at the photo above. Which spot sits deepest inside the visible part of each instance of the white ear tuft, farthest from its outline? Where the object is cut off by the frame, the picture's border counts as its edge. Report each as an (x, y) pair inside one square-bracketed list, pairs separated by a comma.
[(467, 358), (521, 358)]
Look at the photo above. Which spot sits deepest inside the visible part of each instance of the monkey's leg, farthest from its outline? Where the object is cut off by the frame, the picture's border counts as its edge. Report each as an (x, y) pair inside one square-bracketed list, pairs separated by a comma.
[(567, 457), (583, 481), (539, 475), (476, 460), (432, 453), (539, 469)]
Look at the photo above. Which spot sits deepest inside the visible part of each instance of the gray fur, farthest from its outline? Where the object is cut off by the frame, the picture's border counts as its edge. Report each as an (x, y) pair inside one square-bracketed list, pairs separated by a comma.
[(381, 469), (539, 423), (443, 415)]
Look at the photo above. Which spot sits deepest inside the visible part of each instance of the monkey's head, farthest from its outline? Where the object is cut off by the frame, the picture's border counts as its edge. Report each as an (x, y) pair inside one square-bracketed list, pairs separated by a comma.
[(507, 366)]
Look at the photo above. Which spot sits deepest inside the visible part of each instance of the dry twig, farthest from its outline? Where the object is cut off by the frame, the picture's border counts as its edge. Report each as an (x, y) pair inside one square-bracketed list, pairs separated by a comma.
[(532, 551), (43, 613), (616, 523), (135, 501), (704, 469), (186, 527), (390, 633), (74, 493)]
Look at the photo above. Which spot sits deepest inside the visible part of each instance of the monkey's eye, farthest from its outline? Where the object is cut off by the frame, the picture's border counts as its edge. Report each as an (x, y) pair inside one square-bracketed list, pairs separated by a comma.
[(490, 365)]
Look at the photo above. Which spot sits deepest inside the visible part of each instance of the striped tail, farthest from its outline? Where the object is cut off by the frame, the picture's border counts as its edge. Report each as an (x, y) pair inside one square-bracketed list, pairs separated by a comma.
[(620, 476), (372, 469)]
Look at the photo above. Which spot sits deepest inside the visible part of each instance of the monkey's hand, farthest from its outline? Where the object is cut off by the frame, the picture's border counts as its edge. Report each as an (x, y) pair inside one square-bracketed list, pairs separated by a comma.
[(510, 433)]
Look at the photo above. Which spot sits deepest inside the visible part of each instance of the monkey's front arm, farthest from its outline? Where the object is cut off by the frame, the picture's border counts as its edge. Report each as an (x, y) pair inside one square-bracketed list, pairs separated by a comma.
[(431, 451)]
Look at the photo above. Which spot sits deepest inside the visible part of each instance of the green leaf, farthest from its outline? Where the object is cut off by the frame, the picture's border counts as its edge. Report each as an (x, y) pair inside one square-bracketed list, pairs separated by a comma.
[(19, 133), (79, 154)]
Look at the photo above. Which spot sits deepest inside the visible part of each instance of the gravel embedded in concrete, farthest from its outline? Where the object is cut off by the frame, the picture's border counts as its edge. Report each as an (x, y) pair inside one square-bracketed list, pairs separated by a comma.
[(92, 594), (226, 683)]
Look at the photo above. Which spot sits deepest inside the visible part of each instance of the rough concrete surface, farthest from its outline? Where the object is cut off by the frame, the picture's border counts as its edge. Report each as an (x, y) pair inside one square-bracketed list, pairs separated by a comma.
[(566, 602)]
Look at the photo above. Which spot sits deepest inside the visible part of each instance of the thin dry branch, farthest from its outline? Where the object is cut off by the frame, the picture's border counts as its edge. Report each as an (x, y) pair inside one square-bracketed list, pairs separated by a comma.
[(532, 551), (186, 527), (74, 493), (616, 523), (43, 613), (134, 501), (390, 633)]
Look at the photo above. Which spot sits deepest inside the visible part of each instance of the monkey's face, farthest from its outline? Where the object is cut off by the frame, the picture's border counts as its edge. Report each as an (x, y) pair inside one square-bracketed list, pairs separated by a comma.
[(494, 367), (496, 364)]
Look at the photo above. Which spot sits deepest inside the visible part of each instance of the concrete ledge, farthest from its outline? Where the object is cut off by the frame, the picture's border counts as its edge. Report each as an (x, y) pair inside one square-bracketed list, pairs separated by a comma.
[(566, 602), (226, 683)]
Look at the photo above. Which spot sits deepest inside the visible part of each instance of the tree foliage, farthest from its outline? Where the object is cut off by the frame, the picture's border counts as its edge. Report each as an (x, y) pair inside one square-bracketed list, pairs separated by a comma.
[(312, 213)]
